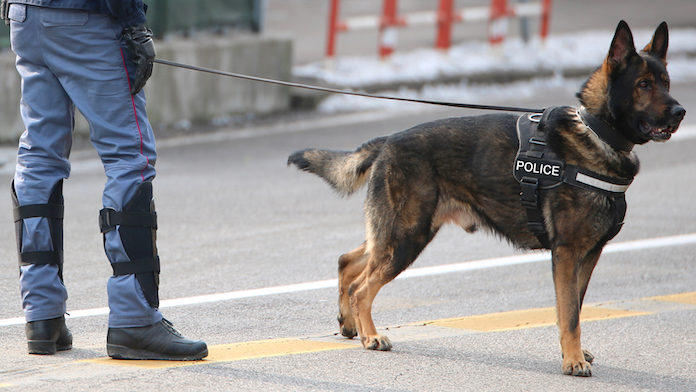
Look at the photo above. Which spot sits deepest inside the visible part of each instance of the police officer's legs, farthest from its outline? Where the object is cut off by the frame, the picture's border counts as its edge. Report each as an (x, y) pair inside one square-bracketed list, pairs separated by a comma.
[(37, 194), (123, 137), (90, 60), (129, 224)]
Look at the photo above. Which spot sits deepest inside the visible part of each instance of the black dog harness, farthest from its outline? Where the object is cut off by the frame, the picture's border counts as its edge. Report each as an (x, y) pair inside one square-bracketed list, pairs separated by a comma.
[(538, 169)]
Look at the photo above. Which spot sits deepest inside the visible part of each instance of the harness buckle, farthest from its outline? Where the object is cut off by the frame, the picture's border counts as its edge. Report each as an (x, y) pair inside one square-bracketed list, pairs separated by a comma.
[(530, 194), (535, 117), (536, 228), (538, 142)]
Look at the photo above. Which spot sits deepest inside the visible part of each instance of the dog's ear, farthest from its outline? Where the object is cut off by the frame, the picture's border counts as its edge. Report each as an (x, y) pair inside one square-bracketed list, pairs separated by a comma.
[(622, 47), (660, 40)]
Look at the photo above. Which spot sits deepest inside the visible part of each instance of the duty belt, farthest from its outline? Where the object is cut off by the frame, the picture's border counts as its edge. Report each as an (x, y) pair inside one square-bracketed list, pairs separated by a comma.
[(538, 169)]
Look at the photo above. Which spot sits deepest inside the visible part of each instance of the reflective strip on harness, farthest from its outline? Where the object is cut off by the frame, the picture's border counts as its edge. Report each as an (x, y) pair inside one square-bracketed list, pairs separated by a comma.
[(597, 183)]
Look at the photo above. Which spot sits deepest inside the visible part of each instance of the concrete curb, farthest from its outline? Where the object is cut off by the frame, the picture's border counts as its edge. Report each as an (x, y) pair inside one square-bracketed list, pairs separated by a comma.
[(309, 99), (179, 96)]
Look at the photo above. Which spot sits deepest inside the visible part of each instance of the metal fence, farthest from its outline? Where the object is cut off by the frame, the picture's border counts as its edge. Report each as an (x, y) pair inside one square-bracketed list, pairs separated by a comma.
[(172, 16)]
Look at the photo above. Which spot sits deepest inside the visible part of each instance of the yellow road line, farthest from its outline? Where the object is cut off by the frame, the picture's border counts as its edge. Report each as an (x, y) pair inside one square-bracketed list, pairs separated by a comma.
[(505, 321), (530, 318), (236, 352), (683, 298)]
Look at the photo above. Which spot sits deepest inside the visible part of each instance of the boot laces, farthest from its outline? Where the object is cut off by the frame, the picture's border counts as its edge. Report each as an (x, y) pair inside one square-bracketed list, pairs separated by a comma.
[(170, 327)]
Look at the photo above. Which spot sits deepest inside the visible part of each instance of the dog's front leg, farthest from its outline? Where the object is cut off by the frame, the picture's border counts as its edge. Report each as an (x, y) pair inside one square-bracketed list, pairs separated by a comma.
[(571, 274), (584, 274)]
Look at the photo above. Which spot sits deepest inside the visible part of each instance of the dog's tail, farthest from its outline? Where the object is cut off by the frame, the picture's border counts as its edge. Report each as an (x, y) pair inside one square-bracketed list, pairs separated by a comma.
[(345, 171)]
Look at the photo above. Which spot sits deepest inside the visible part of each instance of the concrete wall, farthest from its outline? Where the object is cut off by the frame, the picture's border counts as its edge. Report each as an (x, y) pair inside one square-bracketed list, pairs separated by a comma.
[(176, 95), (11, 125)]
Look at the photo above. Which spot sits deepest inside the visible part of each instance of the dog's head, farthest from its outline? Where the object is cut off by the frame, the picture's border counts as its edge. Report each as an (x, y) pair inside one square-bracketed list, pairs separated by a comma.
[(630, 91)]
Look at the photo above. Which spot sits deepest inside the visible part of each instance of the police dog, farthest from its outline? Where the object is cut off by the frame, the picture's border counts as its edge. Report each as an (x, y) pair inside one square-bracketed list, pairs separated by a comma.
[(459, 170)]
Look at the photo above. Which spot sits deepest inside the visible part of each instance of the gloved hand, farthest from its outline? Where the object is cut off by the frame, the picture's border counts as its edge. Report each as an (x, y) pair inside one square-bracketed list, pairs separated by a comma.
[(139, 41)]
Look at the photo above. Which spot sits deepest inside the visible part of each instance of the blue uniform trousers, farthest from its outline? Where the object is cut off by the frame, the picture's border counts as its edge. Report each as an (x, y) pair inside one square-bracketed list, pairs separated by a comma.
[(67, 59)]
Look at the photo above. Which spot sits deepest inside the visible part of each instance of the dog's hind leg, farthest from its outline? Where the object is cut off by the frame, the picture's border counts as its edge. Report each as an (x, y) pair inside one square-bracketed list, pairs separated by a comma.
[(399, 211), (383, 265), (350, 266), (571, 274), (362, 293)]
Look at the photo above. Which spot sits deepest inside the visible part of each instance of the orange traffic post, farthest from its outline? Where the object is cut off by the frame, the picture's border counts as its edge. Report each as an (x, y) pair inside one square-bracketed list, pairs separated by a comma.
[(497, 25), (333, 28), (445, 17), (387, 32)]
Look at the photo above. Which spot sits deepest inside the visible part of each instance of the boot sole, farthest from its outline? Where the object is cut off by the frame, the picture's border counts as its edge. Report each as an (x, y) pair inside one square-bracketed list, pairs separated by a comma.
[(122, 352), (46, 347)]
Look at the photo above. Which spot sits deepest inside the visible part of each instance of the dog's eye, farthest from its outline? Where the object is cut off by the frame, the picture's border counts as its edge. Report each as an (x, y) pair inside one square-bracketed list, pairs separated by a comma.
[(644, 84)]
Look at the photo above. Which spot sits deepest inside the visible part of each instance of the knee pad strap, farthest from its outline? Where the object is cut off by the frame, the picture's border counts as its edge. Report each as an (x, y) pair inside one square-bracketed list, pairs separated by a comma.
[(54, 211)]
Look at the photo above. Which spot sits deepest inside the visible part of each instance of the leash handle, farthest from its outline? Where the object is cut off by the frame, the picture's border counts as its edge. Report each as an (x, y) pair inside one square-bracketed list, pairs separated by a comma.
[(345, 92)]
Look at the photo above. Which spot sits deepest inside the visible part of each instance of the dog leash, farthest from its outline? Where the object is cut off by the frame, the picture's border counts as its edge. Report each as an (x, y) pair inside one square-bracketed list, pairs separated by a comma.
[(346, 92)]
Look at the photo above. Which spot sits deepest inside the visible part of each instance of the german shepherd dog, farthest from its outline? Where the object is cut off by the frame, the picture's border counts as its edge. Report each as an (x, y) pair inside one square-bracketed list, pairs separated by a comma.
[(459, 170)]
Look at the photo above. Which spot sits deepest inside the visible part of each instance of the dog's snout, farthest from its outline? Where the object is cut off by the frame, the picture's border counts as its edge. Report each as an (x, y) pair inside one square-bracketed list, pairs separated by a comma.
[(678, 111)]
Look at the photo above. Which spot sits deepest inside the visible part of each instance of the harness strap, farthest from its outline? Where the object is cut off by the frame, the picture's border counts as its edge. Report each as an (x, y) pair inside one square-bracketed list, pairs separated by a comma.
[(530, 163), (531, 200), (539, 169), (619, 215)]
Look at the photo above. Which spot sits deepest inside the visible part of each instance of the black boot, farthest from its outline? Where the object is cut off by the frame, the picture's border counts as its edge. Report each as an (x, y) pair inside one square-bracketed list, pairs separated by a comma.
[(48, 336), (157, 341)]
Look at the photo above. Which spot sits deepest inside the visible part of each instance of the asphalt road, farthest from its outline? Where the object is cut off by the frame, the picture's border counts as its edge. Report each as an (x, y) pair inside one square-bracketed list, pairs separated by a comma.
[(259, 241)]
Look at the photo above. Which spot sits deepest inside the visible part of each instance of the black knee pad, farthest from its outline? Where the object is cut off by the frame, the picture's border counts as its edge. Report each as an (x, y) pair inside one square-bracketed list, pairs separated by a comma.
[(53, 211), (138, 230)]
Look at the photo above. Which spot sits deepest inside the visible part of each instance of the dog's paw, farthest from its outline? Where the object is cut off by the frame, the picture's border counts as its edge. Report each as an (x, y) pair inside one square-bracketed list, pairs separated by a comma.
[(377, 342), (350, 333), (577, 368), (347, 327), (588, 355)]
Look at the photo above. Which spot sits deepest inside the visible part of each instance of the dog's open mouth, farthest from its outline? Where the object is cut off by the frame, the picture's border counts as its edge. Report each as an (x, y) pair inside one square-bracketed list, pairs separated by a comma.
[(658, 134)]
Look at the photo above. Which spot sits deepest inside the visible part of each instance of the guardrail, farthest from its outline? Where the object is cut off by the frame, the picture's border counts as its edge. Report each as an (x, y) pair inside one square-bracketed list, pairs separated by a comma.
[(496, 14)]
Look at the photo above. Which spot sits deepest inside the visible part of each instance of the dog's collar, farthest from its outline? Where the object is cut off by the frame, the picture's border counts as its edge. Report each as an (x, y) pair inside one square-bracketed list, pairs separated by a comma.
[(608, 134)]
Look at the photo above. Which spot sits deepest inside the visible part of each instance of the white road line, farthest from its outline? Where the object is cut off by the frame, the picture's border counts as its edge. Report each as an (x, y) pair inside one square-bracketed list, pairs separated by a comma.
[(685, 239)]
